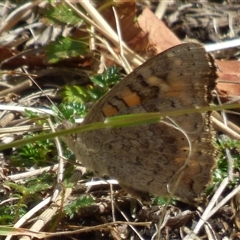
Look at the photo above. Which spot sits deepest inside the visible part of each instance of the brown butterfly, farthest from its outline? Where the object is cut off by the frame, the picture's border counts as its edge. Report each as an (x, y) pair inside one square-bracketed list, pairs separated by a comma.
[(173, 157)]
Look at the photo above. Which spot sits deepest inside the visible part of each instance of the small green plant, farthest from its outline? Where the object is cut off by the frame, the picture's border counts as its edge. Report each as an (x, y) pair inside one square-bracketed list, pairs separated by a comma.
[(35, 117), (162, 201), (11, 212), (70, 110), (93, 92), (63, 48), (24, 195), (59, 14), (73, 207), (233, 146), (39, 153), (221, 171)]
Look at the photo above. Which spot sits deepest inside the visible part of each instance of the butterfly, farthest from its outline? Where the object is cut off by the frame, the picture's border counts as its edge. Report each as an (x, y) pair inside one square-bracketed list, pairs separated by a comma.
[(173, 157)]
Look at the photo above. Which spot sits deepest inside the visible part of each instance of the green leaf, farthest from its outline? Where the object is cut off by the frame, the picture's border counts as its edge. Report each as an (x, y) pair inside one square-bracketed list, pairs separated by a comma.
[(64, 48), (73, 207), (37, 153), (76, 94), (60, 14), (107, 79), (162, 201), (72, 109), (101, 84)]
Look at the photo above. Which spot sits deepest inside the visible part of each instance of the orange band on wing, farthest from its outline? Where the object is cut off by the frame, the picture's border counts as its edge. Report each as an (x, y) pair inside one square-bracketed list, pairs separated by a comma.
[(130, 98), (109, 110)]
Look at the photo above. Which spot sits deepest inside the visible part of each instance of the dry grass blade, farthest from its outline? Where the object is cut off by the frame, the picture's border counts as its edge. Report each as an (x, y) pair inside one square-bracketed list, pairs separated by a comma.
[(103, 27)]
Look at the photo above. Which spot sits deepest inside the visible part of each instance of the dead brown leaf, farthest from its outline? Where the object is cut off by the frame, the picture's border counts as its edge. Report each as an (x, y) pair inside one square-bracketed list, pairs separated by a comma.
[(229, 73), (160, 37)]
